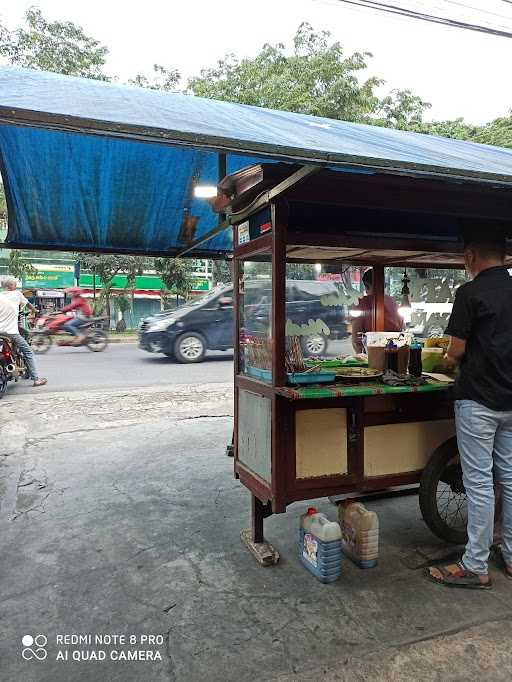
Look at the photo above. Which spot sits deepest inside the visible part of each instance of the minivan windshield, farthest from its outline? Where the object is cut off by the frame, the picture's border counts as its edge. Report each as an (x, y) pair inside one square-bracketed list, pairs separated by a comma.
[(210, 295)]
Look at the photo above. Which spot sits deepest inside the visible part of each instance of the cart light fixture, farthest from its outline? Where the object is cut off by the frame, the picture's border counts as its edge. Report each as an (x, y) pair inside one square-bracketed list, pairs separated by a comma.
[(405, 308), (205, 191)]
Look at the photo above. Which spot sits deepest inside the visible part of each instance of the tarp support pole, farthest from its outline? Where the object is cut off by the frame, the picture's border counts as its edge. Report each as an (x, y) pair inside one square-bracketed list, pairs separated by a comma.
[(209, 235)]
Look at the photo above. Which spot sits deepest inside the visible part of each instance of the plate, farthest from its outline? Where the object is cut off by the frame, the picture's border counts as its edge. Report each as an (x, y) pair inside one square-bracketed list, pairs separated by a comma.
[(358, 373)]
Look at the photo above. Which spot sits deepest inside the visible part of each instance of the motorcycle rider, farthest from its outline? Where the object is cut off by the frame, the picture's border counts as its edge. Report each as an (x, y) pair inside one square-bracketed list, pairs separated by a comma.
[(83, 310), (10, 302)]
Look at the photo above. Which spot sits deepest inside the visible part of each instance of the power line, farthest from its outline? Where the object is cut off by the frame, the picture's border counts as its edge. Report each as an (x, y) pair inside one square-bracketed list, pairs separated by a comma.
[(478, 9), (453, 23)]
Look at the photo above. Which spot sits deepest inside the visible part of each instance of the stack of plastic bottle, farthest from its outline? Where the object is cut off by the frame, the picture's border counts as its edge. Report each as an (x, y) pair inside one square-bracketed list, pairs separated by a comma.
[(320, 546)]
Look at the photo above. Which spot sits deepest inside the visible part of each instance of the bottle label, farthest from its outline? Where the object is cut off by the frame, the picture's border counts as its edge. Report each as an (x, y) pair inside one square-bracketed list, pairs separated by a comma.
[(349, 536), (310, 549)]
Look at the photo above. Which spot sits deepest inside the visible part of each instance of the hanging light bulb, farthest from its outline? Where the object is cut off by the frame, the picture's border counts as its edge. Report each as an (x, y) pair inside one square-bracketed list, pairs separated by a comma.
[(405, 308)]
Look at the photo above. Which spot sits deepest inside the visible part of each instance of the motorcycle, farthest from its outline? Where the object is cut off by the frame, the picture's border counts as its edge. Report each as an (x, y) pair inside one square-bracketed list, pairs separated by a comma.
[(12, 364), (47, 327)]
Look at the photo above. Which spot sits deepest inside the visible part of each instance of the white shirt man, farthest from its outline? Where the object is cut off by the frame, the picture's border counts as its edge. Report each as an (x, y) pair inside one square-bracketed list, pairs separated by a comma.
[(10, 302)]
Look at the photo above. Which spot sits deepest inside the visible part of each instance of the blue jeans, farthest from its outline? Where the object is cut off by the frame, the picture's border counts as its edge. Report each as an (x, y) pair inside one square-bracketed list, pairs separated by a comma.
[(485, 445), (73, 326), (26, 350)]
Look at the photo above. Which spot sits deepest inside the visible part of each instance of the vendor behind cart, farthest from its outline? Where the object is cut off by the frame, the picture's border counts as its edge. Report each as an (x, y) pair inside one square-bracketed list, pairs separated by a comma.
[(393, 322), (481, 344)]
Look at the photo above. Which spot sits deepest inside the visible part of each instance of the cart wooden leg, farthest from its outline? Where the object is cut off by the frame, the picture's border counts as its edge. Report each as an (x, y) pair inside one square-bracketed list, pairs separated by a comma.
[(254, 538)]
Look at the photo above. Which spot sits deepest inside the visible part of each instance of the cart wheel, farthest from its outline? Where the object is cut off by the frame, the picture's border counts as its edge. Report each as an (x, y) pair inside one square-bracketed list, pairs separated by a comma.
[(443, 500), (3, 382)]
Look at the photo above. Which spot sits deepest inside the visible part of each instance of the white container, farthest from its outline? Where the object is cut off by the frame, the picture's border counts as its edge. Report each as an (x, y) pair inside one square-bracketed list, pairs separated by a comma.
[(360, 533), (319, 525), (320, 546)]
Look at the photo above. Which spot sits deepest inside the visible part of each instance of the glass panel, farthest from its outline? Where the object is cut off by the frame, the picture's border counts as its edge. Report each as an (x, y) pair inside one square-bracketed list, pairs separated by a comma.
[(255, 323), (432, 292), (320, 302)]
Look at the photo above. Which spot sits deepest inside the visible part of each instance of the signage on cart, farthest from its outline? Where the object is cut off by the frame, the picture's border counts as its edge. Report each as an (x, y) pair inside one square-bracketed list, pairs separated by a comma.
[(244, 234)]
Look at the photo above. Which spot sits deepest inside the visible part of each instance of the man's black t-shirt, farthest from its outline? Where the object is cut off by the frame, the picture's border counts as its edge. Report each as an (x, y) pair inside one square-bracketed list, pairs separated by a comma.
[(482, 315)]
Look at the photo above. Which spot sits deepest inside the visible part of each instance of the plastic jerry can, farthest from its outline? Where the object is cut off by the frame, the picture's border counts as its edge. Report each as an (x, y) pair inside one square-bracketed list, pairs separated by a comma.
[(359, 533), (320, 546)]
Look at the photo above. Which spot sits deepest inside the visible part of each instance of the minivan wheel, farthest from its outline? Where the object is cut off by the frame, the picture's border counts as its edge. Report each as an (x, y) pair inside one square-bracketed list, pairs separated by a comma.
[(314, 345), (190, 347)]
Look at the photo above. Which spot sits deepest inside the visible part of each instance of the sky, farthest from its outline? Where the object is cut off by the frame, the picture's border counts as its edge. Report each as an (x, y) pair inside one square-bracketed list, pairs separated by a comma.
[(461, 73)]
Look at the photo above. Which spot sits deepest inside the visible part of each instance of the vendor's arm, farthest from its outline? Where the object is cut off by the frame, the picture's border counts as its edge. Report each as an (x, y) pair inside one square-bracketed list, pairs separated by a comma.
[(456, 350), (357, 330), (459, 326)]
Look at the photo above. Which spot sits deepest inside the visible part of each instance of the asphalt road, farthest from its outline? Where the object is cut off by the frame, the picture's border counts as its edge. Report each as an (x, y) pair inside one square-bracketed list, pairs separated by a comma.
[(124, 365)]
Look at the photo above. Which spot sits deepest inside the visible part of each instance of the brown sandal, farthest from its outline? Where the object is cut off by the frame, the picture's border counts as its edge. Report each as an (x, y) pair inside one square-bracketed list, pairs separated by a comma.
[(459, 578), (498, 556)]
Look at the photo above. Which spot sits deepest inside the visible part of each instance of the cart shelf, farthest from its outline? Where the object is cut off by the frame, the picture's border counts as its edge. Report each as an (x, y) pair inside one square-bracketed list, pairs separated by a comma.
[(366, 389)]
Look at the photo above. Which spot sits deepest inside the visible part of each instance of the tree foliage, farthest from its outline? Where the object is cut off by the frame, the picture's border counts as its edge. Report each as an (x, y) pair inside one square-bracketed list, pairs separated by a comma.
[(18, 266), (317, 78), (107, 266), (163, 79), (176, 274), (59, 46)]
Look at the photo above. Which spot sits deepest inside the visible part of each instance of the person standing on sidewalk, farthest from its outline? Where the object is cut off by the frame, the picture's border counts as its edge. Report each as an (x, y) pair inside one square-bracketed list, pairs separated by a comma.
[(11, 301), (480, 328)]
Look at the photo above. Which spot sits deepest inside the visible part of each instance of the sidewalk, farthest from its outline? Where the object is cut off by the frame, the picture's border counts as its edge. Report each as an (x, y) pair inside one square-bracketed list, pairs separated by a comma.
[(120, 515)]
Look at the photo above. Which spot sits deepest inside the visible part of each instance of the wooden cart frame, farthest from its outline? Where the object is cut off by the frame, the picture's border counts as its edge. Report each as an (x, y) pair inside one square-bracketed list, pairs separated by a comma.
[(276, 208)]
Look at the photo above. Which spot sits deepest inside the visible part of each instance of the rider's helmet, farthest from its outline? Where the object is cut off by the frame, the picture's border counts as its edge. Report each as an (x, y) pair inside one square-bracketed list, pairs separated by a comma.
[(75, 291)]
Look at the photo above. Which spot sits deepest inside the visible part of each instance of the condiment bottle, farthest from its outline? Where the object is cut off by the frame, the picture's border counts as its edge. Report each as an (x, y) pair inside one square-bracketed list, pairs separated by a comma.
[(415, 365), (391, 357)]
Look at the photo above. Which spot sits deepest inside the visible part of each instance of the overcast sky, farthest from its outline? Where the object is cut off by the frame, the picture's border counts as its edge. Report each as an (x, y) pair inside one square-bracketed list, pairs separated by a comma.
[(461, 73)]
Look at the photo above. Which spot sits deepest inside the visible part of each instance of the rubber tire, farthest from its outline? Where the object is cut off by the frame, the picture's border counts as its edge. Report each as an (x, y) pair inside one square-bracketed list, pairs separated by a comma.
[(178, 354), (307, 353), (46, 345), (3, 382), (428, 486), (96, 333)]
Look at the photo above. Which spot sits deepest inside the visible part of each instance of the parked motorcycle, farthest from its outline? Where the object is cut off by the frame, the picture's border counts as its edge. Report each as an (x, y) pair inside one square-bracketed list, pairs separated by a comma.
[(49, 327), (12, 364)]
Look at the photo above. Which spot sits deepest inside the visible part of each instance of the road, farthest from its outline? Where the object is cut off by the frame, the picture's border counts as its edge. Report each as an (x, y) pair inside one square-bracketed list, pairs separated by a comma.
[(124, 365)]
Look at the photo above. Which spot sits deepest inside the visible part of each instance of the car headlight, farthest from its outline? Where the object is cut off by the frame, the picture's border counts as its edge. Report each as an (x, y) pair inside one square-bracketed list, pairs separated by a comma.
[(161, 325)]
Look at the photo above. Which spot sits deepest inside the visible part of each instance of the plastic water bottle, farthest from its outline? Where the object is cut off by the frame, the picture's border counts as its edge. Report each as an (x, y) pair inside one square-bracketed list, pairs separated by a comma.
[(320, 546)]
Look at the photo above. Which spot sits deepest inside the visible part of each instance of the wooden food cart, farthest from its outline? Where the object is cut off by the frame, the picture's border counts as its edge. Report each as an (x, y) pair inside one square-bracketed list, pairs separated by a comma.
[(294, 442)]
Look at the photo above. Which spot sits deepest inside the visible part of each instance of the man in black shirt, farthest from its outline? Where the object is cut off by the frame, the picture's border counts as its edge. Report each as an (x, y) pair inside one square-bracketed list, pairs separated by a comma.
[(480, 328)]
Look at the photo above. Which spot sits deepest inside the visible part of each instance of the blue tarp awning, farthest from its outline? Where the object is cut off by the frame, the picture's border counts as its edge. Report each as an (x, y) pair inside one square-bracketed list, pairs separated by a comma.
[(97, 166)]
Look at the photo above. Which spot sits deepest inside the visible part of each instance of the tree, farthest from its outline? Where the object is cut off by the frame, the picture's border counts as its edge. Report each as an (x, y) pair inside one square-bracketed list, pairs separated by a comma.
[(123, 305), (175, 273), (317, 78), (18, 266), (107, 266), (221, 272), (59, 46), (163, 79), (498, 132)]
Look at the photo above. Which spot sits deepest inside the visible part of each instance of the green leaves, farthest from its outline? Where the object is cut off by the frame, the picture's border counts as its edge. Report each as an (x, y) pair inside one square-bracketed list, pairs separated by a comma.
[(175, 273), (58, 46), (317, 78)]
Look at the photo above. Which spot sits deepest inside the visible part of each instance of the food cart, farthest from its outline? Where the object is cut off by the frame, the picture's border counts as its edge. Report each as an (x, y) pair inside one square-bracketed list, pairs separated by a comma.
[(295, 441)]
